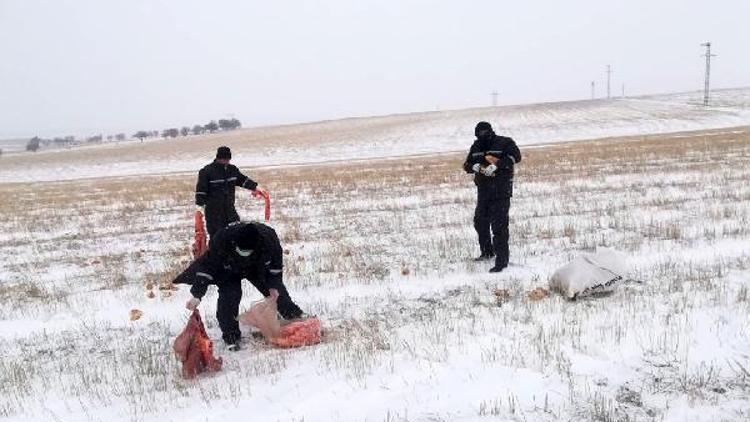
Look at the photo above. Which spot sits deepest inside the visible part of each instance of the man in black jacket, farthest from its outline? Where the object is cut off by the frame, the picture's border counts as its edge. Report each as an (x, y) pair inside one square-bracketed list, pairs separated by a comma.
[(215, 190), (248, 250), (491, 159)]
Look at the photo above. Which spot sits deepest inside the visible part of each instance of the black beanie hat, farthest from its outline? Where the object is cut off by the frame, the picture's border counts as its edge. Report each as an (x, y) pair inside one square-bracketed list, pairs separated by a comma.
[(247, 237), (482, 126), (224, 153)]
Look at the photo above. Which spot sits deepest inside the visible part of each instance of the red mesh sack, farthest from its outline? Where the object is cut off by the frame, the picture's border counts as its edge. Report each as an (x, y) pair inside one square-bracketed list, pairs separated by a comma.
[(200, 243), (300, 333), (263, 316), (262, 193), (195, 349)]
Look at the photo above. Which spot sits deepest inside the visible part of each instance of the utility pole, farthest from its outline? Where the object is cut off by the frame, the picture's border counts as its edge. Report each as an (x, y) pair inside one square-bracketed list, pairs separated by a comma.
[(593, 90), (623, 90), (494, 95), (708, 55), (609, 77)]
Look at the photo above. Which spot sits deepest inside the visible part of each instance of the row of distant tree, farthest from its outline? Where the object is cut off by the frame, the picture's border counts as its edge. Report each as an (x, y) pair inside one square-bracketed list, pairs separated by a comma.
[(211, 127), (36, 142)]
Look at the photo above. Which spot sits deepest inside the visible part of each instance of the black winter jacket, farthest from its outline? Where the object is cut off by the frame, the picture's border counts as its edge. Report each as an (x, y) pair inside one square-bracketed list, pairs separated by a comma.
[(265, 264), (505, 149), (216, 183), (215, 191)]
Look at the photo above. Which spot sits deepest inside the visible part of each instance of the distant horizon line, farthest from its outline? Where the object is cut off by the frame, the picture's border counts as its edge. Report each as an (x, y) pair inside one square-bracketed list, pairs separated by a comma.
[(82, 137)]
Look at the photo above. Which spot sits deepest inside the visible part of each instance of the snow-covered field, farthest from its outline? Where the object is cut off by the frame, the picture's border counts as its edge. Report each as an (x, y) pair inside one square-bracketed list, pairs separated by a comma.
[(733, 98), (381, 250), (387, 136)]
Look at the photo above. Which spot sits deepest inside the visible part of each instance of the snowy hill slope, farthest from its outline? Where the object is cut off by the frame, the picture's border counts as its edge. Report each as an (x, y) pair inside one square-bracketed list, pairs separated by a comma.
[(730, 98), (387, 136), (415, 330)]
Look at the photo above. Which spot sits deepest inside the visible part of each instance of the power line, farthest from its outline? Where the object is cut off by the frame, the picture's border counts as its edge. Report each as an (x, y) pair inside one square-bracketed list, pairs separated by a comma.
[(706, 90)]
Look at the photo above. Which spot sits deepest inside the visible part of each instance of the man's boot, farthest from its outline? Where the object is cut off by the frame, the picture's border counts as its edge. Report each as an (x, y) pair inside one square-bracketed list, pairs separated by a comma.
[(232, 342), (484, 257), (498, 268), (500, 264)]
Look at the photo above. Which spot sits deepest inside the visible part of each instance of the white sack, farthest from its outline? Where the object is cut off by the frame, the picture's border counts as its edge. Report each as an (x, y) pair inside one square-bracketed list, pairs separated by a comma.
[(599, 272)]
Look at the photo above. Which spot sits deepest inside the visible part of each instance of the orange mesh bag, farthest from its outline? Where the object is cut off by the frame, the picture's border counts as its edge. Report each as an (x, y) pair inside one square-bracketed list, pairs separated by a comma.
[(263, 315), (300, 333), (262, 193), (195, 349), (200, 244)]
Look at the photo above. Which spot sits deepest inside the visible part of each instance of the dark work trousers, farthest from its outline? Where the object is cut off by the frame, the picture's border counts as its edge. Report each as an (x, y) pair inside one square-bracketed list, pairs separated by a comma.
[(217, 217), (228, 307), (492, 213)]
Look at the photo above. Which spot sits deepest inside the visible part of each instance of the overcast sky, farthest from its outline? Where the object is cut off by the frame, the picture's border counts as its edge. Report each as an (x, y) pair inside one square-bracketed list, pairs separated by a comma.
[(85, 67)]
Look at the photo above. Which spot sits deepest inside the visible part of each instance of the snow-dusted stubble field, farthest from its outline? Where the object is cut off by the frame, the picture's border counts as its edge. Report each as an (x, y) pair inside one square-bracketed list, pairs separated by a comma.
[(414, 329)]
